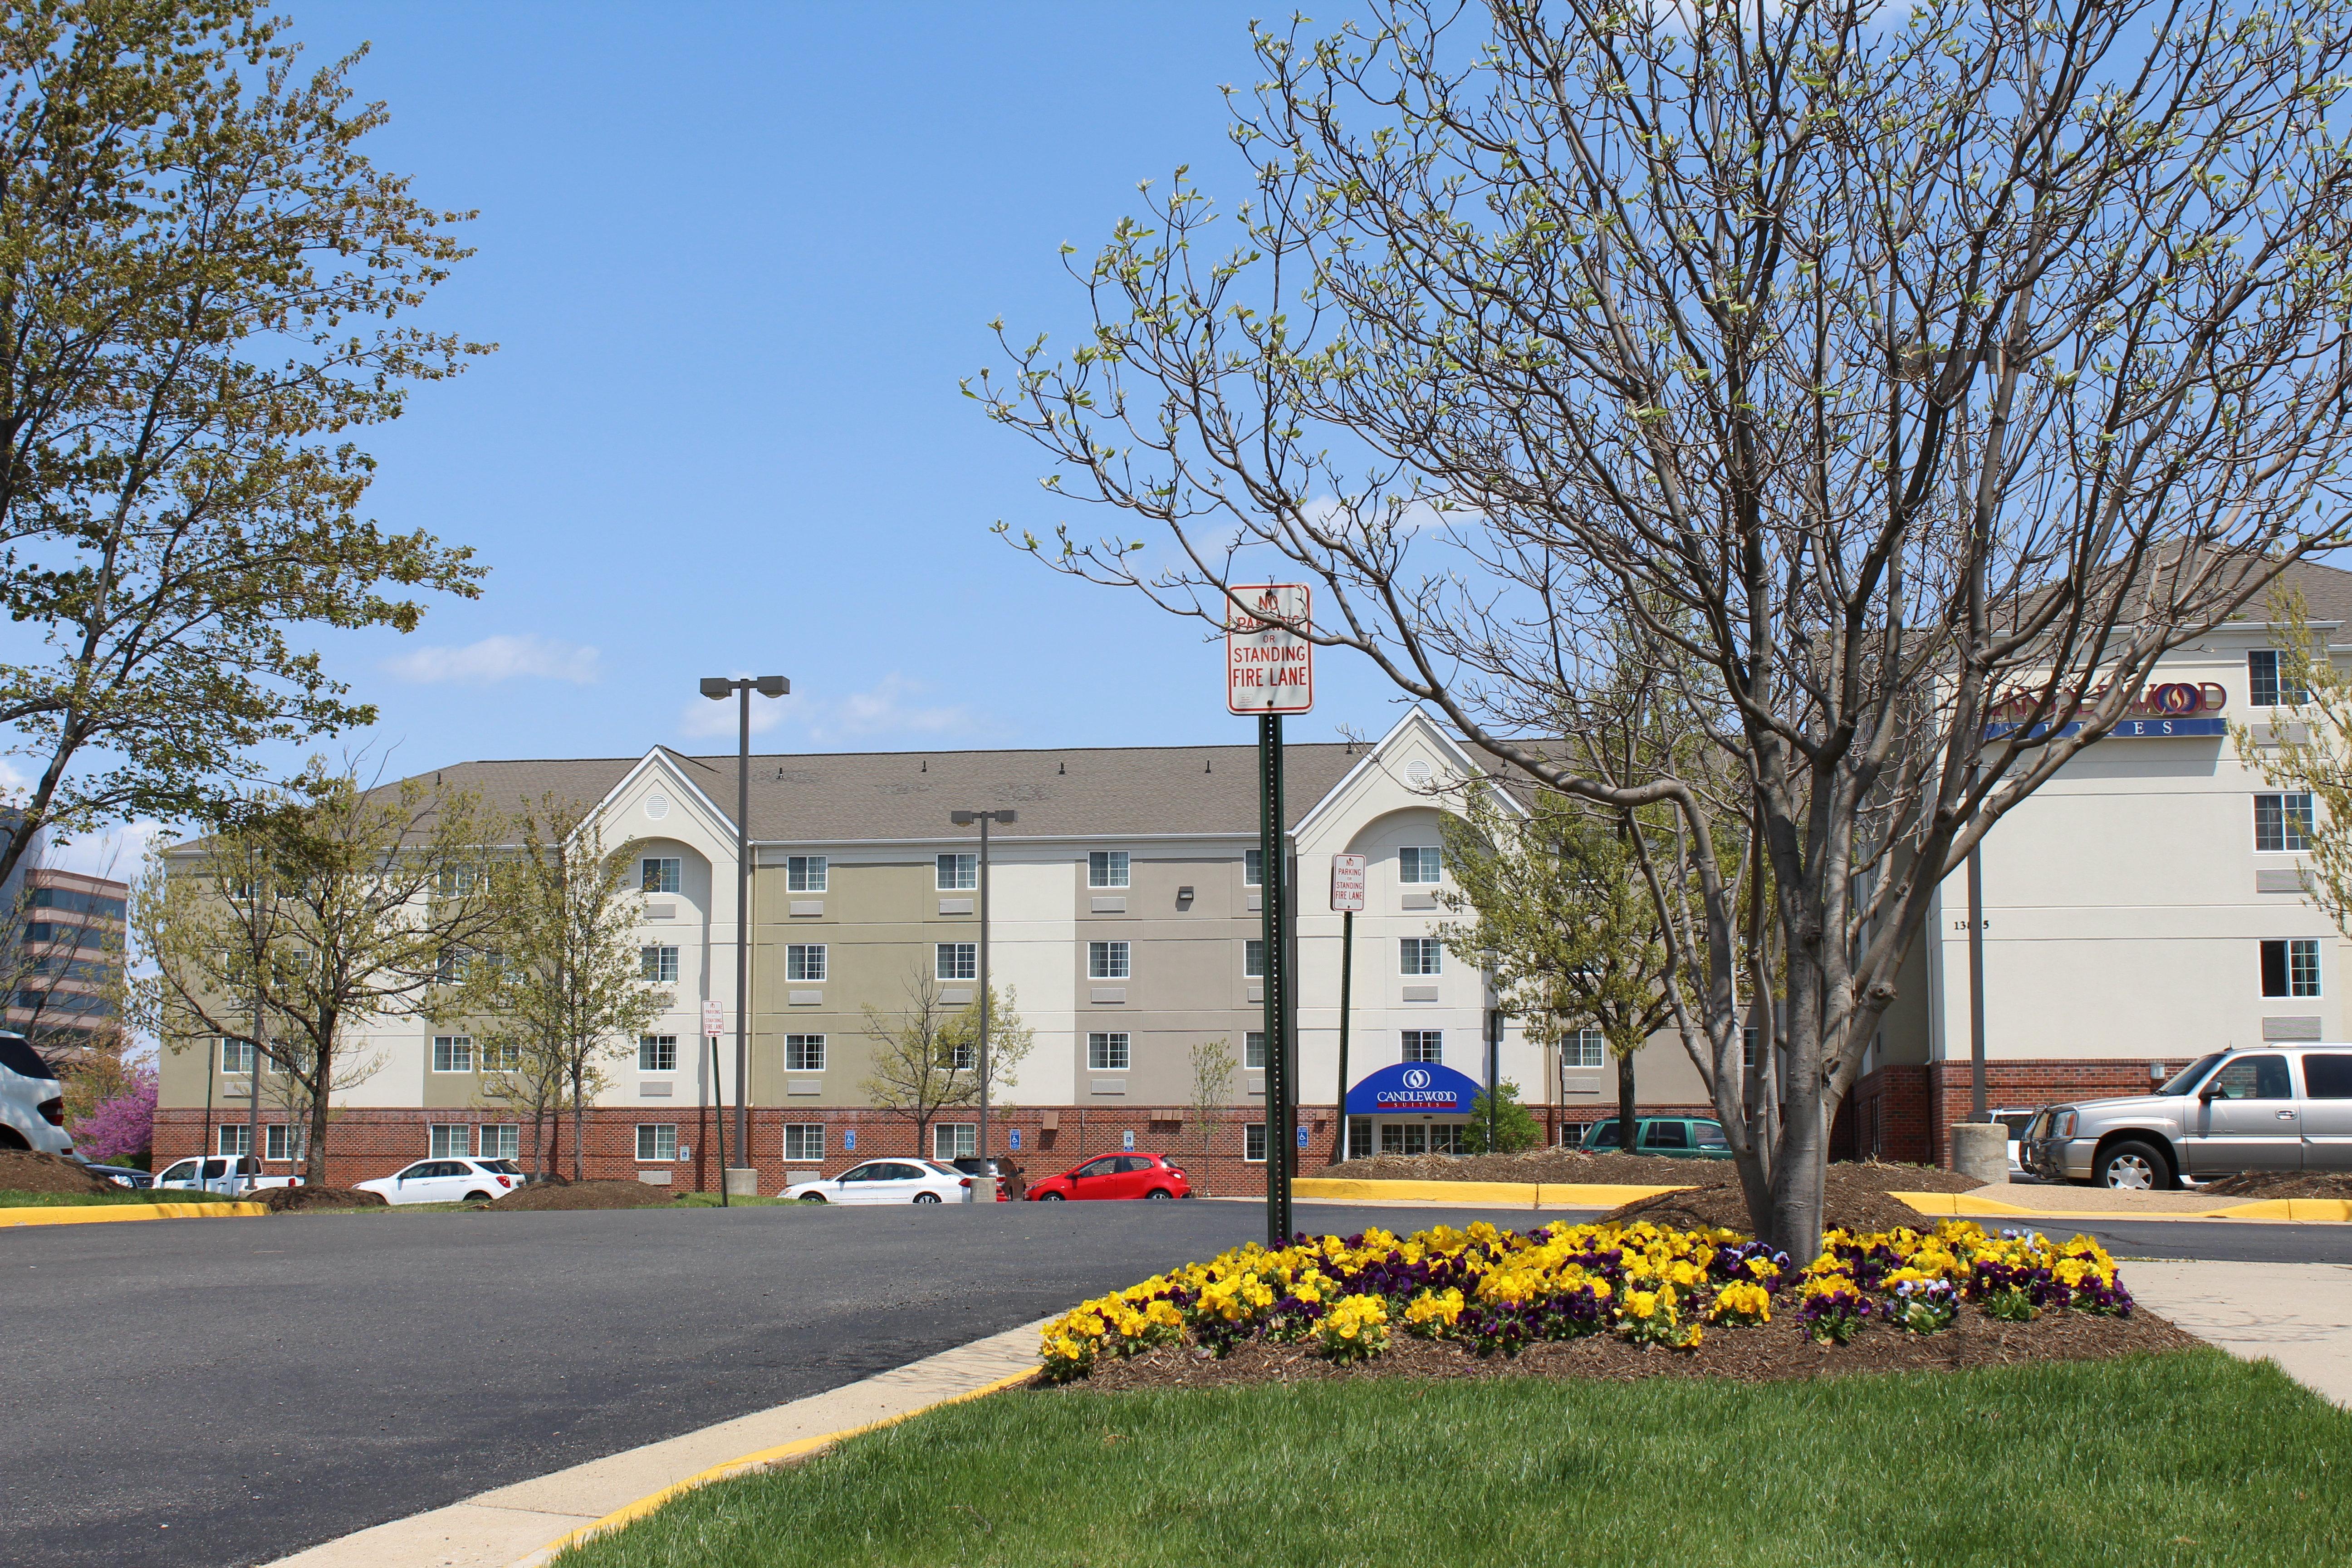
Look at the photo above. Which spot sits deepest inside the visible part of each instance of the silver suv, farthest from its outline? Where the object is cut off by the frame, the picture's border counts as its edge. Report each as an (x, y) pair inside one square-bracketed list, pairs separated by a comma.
[(2282, 1108)]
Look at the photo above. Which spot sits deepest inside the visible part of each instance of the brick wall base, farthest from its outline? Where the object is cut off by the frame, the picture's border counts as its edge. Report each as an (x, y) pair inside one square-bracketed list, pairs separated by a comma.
[(1906, 1112)]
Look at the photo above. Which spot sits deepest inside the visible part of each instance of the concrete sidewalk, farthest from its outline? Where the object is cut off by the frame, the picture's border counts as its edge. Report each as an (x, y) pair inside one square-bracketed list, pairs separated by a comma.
[(2298, 1315), (513, 1525)]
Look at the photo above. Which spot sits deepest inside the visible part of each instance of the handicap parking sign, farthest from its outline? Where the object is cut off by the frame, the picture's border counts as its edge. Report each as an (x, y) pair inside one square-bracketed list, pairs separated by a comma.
[(1302, 1135), (849, 1140), (1013, 1137), (1127, 1139)]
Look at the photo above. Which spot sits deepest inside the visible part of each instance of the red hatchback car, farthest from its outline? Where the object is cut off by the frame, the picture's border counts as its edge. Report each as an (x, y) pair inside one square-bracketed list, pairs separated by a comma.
[(1137, 1175)]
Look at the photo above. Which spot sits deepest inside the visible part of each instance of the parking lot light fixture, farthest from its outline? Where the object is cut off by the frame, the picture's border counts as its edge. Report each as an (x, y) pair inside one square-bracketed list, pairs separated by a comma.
[(984, 1184), (719, 688)]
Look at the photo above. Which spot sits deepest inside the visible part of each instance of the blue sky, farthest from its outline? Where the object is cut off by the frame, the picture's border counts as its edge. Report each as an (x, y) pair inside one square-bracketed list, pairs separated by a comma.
[(736, 258)]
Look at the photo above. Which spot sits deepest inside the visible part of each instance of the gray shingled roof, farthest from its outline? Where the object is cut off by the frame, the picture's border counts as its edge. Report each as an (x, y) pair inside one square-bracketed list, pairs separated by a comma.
[(2327, 594), (840, 797)]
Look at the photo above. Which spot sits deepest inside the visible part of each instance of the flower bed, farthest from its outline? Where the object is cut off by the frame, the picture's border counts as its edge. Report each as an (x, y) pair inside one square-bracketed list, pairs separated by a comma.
[(1653, 1294)]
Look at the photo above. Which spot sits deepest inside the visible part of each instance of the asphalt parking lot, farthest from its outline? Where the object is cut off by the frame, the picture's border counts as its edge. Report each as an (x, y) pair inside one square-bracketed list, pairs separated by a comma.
[(225, 1391)]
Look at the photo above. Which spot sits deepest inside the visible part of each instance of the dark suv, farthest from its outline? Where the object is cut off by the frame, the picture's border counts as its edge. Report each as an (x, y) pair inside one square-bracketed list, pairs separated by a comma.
[(1676, 1137)]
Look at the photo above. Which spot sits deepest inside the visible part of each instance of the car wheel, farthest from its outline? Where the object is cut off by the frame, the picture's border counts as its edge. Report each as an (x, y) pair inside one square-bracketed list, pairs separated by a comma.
[(927, 1197), (1049, 1197), (10, 1139), (477, 1198), (812, 1197), (2134, 1166), (1159, 1192)]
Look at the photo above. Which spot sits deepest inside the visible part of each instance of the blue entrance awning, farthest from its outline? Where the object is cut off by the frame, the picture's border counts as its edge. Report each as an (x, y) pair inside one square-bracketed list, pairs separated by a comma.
[(1413, 1088)]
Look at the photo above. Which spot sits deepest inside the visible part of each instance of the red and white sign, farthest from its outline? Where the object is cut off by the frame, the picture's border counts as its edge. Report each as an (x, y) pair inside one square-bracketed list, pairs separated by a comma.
[(1347, 883), (1269, 668), (714, 1020)]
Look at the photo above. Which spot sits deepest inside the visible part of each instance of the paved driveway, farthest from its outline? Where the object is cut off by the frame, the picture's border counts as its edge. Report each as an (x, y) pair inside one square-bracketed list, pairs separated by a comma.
[(227, 1392)]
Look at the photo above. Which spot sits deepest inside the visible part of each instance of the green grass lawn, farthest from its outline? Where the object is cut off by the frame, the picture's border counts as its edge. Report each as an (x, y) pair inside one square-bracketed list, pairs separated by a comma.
[(2187, 1458), (118, 1195)]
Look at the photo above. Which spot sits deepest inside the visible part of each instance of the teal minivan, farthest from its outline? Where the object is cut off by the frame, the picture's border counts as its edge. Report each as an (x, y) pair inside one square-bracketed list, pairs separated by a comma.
[(1677, 1137)]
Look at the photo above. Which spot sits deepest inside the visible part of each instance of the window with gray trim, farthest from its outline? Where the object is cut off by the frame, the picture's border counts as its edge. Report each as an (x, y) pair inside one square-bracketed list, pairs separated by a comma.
[(959, 960), (1420, 955), (656, 1142), (658, 963), (1107, 961), (803, 1053), (1254, 1051), (502, 1140), (1254, 1143), (804, 961), (957, 872), (1107, 869), (804, 873), (453, 1053), (1254, 958), (1253, 867), (804, 1140), (1107, 1052), (1424, 864), (658, 874), (1584, 1049), (1424, 1044), (236, 1055), (452, 1140), (657, 1053), (2268, 685)]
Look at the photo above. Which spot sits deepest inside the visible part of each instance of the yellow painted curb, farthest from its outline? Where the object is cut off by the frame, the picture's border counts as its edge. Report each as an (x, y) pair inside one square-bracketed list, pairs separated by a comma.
[(1965, 1204), (784, 1453), (95, 1214), (1515, 1195), (1960, 1205), (2338, 1209)]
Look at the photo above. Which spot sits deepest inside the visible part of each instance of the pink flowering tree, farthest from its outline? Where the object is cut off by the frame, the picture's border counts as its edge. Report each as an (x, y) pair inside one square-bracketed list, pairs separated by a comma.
[(122, 1126)]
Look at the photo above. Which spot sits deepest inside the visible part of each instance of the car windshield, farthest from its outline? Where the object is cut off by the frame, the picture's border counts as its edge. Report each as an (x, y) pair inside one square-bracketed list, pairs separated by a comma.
[(2188, 1077)]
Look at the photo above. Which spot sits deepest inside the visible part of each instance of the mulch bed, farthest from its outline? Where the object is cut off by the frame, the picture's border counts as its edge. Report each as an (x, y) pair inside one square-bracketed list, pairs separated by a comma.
[(1773, 1352), (22, 1170), (1618, 1170), (2284, 1185), (287, 1200), (1854, 1197), (586, 1196)]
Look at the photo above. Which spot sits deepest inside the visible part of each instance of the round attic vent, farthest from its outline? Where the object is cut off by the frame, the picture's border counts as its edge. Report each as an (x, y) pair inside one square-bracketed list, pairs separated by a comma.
[(656, 807), (1417, 771)]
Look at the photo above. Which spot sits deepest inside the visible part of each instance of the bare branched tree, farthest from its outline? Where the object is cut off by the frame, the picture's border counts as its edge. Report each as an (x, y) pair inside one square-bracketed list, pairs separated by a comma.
[(1922, 374)]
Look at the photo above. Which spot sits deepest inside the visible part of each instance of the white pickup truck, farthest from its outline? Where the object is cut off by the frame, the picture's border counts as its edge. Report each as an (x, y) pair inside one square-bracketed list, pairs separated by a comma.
[(217, 1177)]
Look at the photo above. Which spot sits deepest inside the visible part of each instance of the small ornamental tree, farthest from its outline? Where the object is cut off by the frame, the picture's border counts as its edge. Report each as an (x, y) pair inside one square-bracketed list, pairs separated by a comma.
[(1515, 1126), (1212, 1090), (121, 1127), (926, 1059)]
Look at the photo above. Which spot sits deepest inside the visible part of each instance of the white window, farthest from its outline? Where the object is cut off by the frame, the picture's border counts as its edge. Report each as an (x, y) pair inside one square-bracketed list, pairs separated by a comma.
[(954, 1139), (502, 1140), (1584, 1049), (962, 1056), (1107, 869), (235, 1138), (803, 1053), (453, 1053), (1253, 867), (236, 1055), (2282, 824), (452, 1140), (804, 961), (1106, 1053), (1421, 865), (657, 1053), (1254, 1051), (1420, 955), (660, 964), (1747, 1048), (805, 1140), (1254, 958), (2268, 685), (452, 967), (503, 1056), (1107, 961), (1424, 1044), (659, 874), (277, 1145), (2291, 968), (959, 871), (656, 1142), (1254, 1143), (804, 873), (959, 960)]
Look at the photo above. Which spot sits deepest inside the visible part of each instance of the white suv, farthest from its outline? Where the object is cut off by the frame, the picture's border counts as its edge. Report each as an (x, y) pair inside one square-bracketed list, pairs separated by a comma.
[(448, 1181), (32, 1100)]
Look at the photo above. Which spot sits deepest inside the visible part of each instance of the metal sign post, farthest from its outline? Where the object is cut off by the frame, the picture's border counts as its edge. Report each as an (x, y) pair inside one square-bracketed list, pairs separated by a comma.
[(1347, 897), (714, 1024), (1270, 671)]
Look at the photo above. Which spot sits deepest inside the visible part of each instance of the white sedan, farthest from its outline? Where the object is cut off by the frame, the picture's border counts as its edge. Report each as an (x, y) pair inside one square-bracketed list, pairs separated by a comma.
[(448, 1181), (888, 1181)]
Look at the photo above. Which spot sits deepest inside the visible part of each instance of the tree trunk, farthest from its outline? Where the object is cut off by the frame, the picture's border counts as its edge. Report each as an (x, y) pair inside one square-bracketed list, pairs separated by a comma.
[(1625, 1100), (579, 1129), (314, 1158)]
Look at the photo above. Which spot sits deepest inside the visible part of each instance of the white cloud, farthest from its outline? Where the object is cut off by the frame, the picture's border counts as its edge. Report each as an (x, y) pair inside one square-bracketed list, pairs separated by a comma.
[(119, 852), (890, 709), (497, 658)]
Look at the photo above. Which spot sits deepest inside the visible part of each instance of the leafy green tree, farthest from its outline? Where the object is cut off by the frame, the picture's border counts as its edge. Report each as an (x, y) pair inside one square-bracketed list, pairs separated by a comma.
[(926, 1058), (1566, 923), (205, 290), (319, 908), (1513, 1125), (1212, 1091), (558, 989)]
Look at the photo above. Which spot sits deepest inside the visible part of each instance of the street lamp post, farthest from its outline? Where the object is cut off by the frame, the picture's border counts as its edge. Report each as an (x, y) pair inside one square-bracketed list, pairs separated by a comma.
[(984, 1184), (719, 688)]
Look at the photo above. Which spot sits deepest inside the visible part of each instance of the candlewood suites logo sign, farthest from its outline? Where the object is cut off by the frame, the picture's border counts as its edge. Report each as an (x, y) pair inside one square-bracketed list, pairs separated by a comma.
[(2167, 710)]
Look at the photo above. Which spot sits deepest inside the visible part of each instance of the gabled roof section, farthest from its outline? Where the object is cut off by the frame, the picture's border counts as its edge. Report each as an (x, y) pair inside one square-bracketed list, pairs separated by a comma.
[(1416, 722)]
